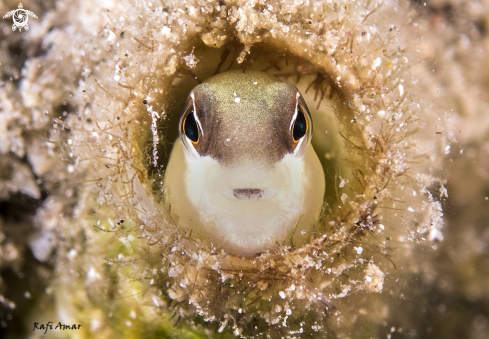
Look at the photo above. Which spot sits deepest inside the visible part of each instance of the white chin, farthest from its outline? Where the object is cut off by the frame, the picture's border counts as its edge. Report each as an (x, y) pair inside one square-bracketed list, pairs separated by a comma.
[(245, 210)]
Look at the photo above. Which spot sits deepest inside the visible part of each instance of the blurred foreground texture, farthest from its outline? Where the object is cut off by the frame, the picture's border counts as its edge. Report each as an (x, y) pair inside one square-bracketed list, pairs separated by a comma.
[(85, 237)]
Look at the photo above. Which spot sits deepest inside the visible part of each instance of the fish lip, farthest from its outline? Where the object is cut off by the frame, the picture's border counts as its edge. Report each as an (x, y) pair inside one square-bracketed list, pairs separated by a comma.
[(250, 194)]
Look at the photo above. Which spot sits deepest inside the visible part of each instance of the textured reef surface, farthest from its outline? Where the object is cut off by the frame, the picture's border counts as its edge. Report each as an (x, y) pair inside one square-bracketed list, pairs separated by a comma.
[(90, 99)]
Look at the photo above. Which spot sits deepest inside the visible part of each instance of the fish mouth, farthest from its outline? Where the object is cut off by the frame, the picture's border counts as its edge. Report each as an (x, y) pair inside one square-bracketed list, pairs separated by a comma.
[(250, 194)]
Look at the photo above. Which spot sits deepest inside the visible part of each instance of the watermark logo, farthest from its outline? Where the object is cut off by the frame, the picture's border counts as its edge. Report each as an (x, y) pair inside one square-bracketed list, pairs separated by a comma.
[(20, 17), (60, 327)]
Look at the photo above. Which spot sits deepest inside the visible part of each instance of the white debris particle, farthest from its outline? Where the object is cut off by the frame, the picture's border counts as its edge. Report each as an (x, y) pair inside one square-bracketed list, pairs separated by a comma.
[(284, 323), (157, 301), (184, 282), (358, 249), (92, 275), (130, 237), (410, 209), (223, 325), (70, 168), (401, 89), (174, 294), (447, 149), (41, 245), (374, 279), (376, 63), (71, 254), (414, 193), (190, 60), (436, 222), (165, 30), (237, 100), (343, 182), (154, 130), (242, 55), (443, 192), (344, 292), (381, 113), (282, 294)]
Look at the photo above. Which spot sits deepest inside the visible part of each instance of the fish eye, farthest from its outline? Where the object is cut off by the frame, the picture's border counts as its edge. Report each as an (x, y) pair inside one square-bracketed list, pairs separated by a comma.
[(190, 128), (300, 126)]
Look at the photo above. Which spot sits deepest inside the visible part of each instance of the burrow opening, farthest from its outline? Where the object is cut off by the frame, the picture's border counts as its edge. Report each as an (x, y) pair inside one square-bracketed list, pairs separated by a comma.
[(327, 103)]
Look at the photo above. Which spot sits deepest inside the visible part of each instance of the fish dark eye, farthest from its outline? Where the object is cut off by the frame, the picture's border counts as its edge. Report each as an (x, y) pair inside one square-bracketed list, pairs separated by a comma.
[(190, 128), (300, 126)]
